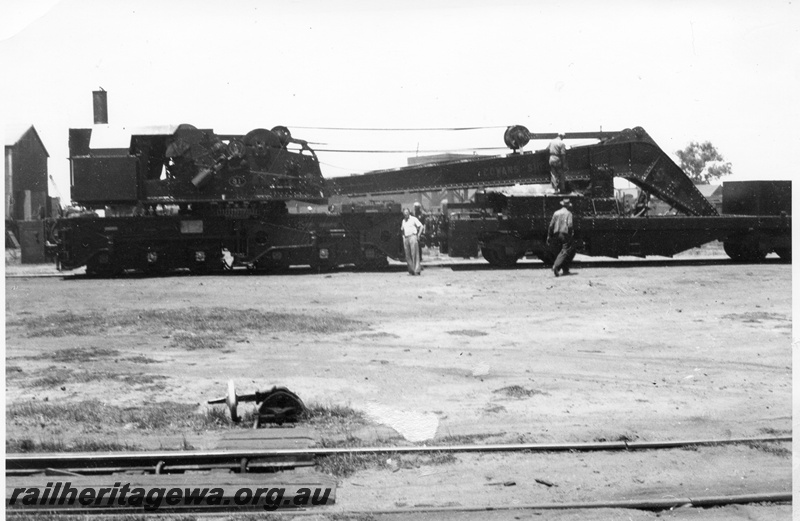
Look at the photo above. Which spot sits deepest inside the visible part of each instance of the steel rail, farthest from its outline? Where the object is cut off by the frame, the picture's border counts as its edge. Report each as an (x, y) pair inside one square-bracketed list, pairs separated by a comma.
[(459, 264), (25, 463), (632, 504), (162, 468)]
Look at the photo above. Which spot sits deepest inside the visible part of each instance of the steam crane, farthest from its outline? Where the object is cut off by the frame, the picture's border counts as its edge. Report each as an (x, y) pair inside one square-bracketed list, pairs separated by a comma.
[(182, 197)]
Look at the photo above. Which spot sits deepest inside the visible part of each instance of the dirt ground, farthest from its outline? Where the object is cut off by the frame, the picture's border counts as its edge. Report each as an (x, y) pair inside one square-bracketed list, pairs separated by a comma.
[(686, 351)]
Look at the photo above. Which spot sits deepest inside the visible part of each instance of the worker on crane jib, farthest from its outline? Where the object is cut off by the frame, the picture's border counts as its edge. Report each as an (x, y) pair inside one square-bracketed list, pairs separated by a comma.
[(558, 162)]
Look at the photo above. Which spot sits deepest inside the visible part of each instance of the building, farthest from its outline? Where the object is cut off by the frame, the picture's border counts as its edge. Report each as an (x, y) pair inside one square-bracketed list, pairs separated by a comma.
[(437, 158), (713, 193), (26, 194)]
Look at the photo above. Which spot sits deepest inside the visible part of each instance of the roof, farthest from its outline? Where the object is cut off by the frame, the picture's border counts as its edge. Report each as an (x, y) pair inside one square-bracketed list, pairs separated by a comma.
[(523, 190), (13, 135), (106, 136), (438, 158), (709, 190)]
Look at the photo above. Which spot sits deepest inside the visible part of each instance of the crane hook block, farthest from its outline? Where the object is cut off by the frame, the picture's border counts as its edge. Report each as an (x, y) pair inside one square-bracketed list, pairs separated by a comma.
[(516, 137)]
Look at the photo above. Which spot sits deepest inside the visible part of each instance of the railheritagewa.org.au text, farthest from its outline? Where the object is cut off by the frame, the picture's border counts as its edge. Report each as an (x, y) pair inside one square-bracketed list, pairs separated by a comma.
[(63, 494)]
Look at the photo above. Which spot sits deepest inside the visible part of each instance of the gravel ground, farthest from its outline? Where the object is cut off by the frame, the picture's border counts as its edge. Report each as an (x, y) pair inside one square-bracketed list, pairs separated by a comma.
[(664, 352)]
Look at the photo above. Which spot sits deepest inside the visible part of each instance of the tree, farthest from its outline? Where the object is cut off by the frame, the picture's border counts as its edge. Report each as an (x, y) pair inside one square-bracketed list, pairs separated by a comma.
[(702, 163)]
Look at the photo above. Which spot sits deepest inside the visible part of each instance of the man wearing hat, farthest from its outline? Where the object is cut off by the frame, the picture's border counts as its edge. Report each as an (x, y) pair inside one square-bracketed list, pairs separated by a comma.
[(411, 229), (561, 231), (558, 162)]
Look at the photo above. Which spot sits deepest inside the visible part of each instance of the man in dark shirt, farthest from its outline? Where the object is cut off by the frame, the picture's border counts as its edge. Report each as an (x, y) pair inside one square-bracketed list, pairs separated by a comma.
[(420, 215), (561, 232)]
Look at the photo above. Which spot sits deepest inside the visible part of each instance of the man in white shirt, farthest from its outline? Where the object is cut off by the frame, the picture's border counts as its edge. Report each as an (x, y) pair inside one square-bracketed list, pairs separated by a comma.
[(558, 163), (411, 229)]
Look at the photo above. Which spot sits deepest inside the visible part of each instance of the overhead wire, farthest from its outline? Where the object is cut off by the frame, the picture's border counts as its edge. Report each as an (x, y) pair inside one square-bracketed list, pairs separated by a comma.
[(387, 129), (396, 151), (353, 151), (344, 169)]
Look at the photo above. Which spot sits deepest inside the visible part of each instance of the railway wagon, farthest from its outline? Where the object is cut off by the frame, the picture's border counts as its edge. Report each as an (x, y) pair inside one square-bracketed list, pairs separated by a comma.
[(506, 228), (756, 218), (182, 198)]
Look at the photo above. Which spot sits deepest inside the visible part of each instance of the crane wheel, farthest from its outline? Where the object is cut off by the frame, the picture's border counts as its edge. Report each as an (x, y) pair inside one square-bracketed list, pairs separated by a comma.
[(733, 250), (744, 251), (490, 255), (547, 257), (499, 258)]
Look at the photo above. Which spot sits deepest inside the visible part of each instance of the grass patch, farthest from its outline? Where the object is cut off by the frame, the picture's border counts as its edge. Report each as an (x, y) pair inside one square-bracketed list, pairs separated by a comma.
[(78, 354), (348, 442), (140, 378), (331, 419), (162, 415), (218, 417), (218, 319), (517, 391), (464, 439), (343, 516), (194, 341), (141, 359), (344, 465), (334, 418), (18, 516), (619, 437), (59, 377), (28, 445), (771, 431), (776, 449), (467, 332), (429, 460), (755, 317), (379, 335)]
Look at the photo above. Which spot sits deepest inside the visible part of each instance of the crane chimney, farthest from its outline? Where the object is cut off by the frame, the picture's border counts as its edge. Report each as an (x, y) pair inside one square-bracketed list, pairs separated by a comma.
[(100, 103)]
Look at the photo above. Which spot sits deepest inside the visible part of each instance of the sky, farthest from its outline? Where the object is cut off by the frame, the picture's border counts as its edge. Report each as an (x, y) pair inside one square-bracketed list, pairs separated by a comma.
[(727, 72)]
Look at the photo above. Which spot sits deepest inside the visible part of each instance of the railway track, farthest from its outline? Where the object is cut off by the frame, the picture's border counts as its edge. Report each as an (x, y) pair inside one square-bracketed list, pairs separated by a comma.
[(13, 272), (654, 504), (161, 462), (232, 471)]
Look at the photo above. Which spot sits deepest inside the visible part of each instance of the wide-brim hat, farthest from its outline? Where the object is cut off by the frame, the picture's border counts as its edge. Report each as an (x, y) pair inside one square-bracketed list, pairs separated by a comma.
[(566, 202)]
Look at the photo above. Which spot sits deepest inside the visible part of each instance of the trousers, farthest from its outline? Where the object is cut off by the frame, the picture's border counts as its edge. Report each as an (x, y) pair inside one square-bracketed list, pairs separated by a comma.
[(411, 247), (557, 174), (566, 252)]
